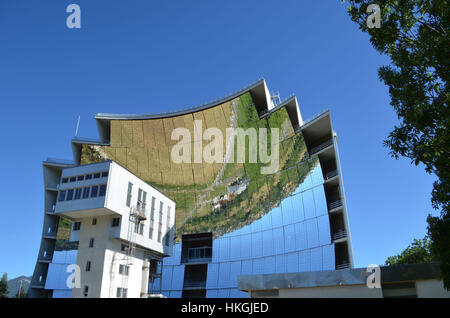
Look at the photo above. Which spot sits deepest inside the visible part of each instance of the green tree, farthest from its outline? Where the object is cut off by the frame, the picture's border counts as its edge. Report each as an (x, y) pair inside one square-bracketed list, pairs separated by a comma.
[(418, 252), (415, 34), (4, 286)]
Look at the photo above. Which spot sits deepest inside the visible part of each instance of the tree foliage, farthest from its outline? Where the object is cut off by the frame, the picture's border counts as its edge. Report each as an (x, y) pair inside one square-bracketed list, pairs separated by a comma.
[(418, 252), (415, 34), (4, 286)]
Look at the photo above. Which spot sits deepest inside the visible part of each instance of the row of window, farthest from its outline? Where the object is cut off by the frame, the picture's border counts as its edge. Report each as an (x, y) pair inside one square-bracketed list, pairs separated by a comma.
[(83, 177), (82, 193)]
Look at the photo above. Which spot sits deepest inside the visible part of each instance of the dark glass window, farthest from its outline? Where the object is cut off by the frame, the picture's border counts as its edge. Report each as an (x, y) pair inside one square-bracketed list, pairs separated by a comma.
[(76, 226), (94, 221), (88, 177), (73, 179), (130, 189), (105, 174), (91, 243), (97, 175), (102, 192), (62, 195), (80, 178), (88, 266), (94, 191), (65, 180), (115, 222), (86, 192), (78, 193), (69, 195)]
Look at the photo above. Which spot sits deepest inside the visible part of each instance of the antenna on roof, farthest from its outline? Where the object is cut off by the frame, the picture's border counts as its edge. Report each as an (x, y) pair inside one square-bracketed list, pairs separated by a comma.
[(276, 100), (78, 125)]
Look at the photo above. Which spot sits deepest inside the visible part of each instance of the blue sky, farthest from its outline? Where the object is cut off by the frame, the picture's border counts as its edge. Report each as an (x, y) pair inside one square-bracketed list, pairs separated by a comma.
[(159, 56)]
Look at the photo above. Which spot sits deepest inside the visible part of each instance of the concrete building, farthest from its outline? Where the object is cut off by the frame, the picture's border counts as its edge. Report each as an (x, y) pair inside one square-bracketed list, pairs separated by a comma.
[(401, 281), (122, 226), (232, 219)]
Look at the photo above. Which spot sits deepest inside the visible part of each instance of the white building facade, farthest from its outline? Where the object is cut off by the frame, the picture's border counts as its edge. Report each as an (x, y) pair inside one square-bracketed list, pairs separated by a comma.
[(123, 226)]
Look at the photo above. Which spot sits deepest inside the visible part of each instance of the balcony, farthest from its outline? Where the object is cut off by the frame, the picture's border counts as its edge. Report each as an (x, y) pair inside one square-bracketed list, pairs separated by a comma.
[(343, 265), (334, 205), (321, 147), (339, 234), (51, 233), (46, 258), (330, 175), (200, 284), (198, 255)]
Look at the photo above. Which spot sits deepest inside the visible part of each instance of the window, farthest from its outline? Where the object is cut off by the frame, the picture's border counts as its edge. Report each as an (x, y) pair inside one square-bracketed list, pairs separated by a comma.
[(76, 226), (91, 242), (142, 198), (161, 205), (86, 192), (122, 292), (167, 236), (124, 270), (123, 248), (86, 291), (62, 195), (130, 189), (139, 228), (88, 177), (65, 180), (152, 218), (80, 178), (115, 222), (69, 195), (94, 191), (78, 193), (94, 221), (73, 179), (105, 174), (97, 175), (88, 266), (102, 192)]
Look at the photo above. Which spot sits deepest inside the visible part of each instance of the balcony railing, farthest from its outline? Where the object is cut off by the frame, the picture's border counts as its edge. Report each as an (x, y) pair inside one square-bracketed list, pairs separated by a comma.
[(331, 174), (194, 284), (339, 234), (334, 205), (46, 258), (343, 266), (321, 147)]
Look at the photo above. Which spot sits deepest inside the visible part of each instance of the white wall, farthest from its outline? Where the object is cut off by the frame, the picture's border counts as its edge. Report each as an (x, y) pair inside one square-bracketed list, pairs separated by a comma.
[(116, 197), (433, 288)]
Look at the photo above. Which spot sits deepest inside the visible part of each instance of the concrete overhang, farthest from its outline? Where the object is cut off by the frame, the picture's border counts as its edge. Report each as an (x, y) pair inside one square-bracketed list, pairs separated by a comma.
[(318, 127), (355, 276)]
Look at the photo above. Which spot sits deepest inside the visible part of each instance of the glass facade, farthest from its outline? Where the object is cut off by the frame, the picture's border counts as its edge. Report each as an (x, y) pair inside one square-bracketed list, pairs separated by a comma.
[(260, 223), (293, 237)]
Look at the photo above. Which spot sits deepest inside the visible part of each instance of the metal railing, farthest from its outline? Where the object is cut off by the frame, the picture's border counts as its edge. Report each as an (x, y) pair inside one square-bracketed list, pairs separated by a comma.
[(339, 234), (321, 147), (194, 284), (343, 266), (199, 253), (331, 174), (334, 205)]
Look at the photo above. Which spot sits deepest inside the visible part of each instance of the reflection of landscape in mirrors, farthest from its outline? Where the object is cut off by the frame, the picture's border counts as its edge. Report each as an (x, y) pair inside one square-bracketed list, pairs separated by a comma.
[(213, 151), (216, 197)]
